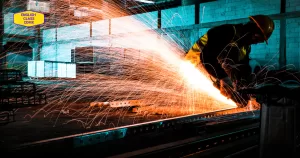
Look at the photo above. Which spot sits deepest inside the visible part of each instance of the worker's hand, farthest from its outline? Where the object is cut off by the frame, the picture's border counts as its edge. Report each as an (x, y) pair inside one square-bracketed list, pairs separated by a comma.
[(227, 87), (217, 84), (193, 57), (229, 90)]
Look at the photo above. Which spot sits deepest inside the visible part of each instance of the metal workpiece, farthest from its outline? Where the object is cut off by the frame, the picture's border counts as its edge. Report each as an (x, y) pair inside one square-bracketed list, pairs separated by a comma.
[(211, 129)]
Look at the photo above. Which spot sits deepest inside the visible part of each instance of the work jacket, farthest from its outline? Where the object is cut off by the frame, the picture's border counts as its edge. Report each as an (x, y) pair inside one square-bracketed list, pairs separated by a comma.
[(220, 53)]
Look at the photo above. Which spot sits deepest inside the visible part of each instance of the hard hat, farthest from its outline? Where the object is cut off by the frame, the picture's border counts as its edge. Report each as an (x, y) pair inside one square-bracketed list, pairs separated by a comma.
[(265, 24)]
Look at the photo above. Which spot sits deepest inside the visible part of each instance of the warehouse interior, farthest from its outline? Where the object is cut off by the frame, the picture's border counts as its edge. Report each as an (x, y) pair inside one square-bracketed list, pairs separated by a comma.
[(110, 77)]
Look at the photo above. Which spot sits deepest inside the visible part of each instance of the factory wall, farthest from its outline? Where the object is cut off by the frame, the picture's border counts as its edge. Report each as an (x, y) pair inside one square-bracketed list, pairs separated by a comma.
[(135, 23), (11, 28), (180, 16), (179, 24), (223, 10), (293, 43), (58, 42), (292, 5), (16, 33), (293, 36), (234, 9)]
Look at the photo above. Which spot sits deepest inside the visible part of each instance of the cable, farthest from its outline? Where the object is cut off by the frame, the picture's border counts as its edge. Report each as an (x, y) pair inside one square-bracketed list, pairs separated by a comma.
[(290, 81)]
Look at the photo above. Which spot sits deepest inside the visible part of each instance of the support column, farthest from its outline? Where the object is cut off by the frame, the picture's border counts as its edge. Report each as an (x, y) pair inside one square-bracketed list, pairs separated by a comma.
[(197, 8), (37, 45), (197, 12), (2, 54), (159, 19), (282, 46)]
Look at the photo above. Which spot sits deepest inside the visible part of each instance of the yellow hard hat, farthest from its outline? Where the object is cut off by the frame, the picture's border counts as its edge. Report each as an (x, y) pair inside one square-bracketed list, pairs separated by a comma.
[(265, 24)]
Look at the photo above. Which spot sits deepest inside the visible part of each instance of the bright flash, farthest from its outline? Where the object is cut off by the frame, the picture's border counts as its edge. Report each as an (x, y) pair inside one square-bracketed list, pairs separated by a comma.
[(198, 81)]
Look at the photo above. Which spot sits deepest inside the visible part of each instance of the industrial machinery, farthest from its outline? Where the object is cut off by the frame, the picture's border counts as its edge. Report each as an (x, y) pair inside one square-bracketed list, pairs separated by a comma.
[(224, 133), (164, 138)]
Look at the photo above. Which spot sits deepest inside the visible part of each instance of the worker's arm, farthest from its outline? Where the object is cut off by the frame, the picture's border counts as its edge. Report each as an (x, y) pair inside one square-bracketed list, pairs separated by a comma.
[(235, 61), (193, 54), (244, 76), (219, 38)]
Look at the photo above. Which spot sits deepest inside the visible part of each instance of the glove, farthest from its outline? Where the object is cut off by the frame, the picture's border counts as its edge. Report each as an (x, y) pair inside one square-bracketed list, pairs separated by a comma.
[(226, 87), (229, 89), (193, 57), (217, 84)]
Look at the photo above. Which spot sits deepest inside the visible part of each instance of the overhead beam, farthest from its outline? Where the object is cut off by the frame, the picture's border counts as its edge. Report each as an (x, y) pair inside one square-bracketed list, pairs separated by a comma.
[(152, 7), (142, 8), (235, 21)]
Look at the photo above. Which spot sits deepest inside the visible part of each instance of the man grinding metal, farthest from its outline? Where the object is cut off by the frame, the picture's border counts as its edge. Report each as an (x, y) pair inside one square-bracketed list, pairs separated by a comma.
[(224, 53)]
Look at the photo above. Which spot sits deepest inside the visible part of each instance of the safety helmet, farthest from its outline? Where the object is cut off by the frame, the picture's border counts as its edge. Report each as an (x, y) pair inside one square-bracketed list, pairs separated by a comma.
[(265, 24)]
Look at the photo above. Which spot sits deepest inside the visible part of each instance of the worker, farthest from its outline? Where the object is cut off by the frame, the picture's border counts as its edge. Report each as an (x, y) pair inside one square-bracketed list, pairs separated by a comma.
[(224, 52)]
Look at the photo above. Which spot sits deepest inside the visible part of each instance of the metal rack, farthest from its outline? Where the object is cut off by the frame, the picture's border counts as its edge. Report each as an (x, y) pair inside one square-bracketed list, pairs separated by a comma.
[(10, 75), (16, 93)]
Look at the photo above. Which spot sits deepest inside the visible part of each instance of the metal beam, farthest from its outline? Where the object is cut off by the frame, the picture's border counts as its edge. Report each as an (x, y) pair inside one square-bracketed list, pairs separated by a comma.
[(234, 21), (159, 20), (197, 13), (39, 41), (282, 46), (2, 54), (153, 7)]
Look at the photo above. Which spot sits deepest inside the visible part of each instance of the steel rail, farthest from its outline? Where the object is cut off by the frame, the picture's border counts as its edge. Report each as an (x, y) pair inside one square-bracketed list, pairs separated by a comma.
[(100, 136)]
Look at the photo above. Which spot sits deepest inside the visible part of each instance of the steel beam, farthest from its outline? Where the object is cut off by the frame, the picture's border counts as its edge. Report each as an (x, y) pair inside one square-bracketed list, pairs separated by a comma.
[(39, 42), (196, 132), (2, 54), (235, 21), (159, 20), (282, 46), (96, 137)]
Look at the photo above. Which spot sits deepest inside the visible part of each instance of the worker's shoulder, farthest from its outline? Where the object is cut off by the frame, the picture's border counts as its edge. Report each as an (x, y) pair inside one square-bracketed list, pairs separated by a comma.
[(225, 32), (225, 27)]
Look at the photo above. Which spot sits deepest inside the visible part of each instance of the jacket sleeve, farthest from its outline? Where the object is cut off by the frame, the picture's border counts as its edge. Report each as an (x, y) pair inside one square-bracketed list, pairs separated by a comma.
[(193, 54), (228, 60), (236, 63)]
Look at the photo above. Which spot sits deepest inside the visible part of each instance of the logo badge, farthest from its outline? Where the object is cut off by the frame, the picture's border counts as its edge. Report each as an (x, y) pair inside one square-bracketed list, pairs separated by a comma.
[(29, 18)]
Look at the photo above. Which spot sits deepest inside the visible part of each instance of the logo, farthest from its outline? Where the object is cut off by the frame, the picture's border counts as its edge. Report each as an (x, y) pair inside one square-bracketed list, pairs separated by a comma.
[(29, 18)]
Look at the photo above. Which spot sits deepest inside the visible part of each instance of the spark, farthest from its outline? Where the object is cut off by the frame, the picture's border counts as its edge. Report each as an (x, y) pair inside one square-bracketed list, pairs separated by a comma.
[(141, 65), (199, 81)]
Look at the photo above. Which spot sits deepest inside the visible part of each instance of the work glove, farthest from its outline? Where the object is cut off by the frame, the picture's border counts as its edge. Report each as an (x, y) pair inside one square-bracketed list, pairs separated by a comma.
[(216, 84), (227, 87), (193, 57), (230, 90)]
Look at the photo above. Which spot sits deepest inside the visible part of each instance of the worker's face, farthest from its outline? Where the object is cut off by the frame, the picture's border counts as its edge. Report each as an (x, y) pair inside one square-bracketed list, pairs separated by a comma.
[(257, 38)]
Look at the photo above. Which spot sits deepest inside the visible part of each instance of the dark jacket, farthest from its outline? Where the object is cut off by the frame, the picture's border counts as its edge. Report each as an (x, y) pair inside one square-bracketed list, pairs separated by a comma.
[(221, 55)]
